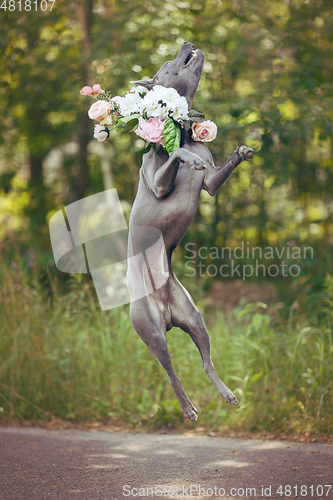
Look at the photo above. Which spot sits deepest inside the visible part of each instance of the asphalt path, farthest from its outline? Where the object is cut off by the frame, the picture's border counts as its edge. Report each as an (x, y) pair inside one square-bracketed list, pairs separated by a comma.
[(74, 464)]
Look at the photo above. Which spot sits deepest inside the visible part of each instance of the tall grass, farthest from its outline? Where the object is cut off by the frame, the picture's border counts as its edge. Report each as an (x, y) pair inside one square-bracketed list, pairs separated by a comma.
[(60, 356)]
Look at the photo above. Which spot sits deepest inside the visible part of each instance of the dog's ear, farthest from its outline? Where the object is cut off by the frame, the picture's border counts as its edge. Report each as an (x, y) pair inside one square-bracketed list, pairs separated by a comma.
[(145, 83)]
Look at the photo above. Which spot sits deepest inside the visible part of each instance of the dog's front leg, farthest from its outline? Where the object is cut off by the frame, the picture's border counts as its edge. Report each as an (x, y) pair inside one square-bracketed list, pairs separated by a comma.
[(161, 180), (215, 177), (164, 178)]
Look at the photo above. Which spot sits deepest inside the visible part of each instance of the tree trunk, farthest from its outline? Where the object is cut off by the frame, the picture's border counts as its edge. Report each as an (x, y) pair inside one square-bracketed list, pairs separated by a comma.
[(84, 10), (36, 210), (81, 178), (36, 170)]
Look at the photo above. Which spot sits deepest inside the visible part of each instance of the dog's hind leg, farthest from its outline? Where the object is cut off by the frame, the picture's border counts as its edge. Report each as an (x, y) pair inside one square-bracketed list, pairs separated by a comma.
[(186, 316), (150, 325)]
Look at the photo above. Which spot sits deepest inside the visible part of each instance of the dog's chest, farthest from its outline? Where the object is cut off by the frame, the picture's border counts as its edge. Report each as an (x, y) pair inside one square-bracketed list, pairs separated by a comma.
[(189, 178), (188, 181), (201, 150)]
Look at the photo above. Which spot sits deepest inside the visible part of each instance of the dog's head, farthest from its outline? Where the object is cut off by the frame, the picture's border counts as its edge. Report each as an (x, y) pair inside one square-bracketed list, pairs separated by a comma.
[(182, 74)]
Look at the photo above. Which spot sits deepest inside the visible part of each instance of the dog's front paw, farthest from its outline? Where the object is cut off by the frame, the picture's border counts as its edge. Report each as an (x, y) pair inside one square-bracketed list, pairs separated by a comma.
[(245, 152), (194, 161), (198, 166)]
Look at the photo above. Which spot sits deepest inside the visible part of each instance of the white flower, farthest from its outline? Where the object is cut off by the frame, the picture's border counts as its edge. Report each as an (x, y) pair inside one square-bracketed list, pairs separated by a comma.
[(101, 133), (162, 102), (151, 105), (116, 99), (125, 106), (139, 89), (171, 98), (180, 111), (128, 104), (161, 91)]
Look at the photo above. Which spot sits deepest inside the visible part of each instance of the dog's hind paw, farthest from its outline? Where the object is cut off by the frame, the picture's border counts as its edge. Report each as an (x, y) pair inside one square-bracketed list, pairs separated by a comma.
[(245, 152), (190, 412), (229, 397)]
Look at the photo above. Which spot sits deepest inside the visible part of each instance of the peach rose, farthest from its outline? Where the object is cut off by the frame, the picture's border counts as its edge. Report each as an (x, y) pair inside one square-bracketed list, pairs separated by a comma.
[(99, 110), (204, 132)]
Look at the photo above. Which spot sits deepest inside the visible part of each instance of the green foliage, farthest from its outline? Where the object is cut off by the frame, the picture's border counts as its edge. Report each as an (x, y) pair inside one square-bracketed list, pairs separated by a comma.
[(62, 357), (329, 296), (266, 82), (171, 135)]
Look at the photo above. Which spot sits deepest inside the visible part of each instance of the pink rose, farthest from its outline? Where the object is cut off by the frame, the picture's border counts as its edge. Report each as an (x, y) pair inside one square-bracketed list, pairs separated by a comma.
[(87, 91), (97, 89), (151, 131), (204, 132), (94, 90), (101, 133), (99, 110)]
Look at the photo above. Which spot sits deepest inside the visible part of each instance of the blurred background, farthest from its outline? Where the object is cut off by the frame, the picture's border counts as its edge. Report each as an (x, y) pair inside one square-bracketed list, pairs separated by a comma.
[(266, 83)]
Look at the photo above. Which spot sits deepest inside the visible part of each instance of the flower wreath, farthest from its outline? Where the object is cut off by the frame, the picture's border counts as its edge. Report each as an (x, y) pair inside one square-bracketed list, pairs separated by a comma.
[(156, 116)]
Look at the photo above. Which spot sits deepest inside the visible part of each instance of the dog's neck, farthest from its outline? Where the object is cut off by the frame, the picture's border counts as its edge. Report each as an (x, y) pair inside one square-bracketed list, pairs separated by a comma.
[(186, 137)]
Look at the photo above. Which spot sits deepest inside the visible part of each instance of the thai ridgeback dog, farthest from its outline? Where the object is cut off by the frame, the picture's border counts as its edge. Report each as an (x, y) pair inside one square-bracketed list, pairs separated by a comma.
[(167, 199)]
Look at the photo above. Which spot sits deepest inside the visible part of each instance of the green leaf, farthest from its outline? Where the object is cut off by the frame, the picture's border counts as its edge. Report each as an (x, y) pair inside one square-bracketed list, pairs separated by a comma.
[(126, 119), (144, 150), (196, 116), (171, 135)]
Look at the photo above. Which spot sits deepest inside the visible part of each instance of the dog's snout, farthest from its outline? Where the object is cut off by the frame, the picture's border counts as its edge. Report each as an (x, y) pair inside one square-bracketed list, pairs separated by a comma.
[(188, 44)]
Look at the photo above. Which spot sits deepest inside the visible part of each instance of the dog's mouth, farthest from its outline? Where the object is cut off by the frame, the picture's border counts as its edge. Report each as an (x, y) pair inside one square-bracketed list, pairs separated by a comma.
[(190, 58)]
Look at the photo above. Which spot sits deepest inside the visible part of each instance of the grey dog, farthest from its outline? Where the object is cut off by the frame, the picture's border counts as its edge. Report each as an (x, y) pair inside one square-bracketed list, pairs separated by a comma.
[(167, 199)]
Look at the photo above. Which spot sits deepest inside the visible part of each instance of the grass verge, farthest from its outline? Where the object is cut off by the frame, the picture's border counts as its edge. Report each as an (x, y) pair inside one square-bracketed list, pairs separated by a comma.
[(61, 357)]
